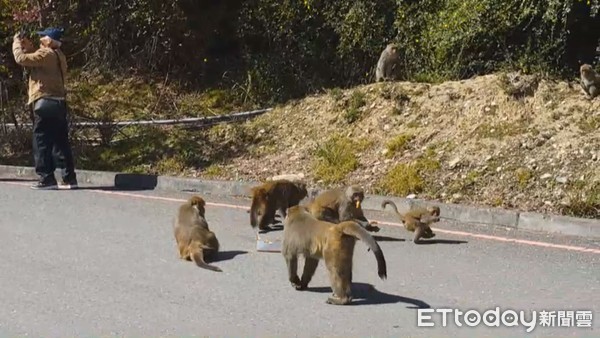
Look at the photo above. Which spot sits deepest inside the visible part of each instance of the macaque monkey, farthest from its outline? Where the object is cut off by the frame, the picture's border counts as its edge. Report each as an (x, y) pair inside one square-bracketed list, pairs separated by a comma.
[(194, 239), (305, 235), (339, 205), (388, 63), (590, 81), (272, 196), (417, 220)]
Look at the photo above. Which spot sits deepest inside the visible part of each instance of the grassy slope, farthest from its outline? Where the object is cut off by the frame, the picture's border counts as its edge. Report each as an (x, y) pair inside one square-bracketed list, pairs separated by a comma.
[(466, 142)]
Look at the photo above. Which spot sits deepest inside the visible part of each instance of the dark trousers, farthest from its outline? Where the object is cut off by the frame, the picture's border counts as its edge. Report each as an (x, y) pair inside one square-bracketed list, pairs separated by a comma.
[(51, 147)]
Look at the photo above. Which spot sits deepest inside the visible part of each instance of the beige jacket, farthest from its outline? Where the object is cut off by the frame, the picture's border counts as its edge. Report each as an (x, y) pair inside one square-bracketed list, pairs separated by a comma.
[(44, 78)]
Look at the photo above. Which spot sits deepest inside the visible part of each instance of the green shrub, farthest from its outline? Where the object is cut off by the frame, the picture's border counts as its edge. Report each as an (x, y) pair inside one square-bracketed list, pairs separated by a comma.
[(398, 143), (336, 158), (401, 180), (584, 200), (357, 101)]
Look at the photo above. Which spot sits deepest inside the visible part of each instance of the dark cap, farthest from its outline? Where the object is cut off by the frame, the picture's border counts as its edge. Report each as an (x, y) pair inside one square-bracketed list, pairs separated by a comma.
[(54, 33)]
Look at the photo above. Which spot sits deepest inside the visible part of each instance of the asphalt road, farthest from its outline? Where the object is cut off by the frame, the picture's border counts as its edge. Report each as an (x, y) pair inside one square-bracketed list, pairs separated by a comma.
[(102, 263)]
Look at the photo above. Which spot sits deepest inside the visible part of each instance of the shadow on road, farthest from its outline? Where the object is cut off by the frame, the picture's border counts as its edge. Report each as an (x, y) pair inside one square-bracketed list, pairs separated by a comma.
[(112, 188), (137, 181), (388, 239), (122, 182), (441, 241), (366, 294), (273, 227), (227, 255), (17, 180)]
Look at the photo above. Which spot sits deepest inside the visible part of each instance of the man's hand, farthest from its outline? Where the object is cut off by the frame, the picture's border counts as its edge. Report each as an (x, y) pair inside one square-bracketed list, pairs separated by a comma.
[(25, 43)]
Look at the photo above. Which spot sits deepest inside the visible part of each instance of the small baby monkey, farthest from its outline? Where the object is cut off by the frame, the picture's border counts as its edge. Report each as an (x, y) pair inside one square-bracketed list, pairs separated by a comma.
[(417, 220), (194, 239)]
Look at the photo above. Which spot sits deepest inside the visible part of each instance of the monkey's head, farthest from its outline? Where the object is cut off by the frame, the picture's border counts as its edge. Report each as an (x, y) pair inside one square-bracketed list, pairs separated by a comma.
[(296, 210), (434, 210), (586, 69), (393, 48), (356, 194), (302, 188), (260, 193), (198, 203)]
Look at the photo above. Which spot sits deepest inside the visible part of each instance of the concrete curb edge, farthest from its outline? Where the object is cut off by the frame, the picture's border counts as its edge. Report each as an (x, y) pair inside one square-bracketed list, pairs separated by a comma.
[(455, 212)]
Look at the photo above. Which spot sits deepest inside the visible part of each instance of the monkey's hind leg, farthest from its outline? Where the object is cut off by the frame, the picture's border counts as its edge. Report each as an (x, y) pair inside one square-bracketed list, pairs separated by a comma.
[(340, 294), (184, 252), (310, 266), (594, 91), (282, 212), (292, 265), (421, 232), (428, 233), (340, 285), (268, 218)]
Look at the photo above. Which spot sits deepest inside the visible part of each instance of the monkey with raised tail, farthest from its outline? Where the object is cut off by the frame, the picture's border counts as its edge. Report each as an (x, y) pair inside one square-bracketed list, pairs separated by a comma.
[(303, 234), (417, 220), (195, 241), (387, 65)]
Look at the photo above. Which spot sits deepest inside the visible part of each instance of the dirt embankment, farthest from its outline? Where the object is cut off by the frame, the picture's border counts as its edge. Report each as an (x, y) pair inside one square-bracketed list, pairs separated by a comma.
[(499, 140)]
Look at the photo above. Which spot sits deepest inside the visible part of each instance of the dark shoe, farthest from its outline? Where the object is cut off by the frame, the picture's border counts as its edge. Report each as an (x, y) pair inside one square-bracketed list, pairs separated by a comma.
[(68, 184), (44, 185)]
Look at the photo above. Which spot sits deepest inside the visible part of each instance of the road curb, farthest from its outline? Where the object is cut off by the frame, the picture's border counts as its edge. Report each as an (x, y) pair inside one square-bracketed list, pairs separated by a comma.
[(455, 212)]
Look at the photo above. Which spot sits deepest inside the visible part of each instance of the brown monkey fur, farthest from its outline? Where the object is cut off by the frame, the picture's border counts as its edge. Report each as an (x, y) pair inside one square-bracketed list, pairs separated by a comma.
[(339, 205), (417, 220), (590, 80), (194, 239), (272, 196), (305, 235)]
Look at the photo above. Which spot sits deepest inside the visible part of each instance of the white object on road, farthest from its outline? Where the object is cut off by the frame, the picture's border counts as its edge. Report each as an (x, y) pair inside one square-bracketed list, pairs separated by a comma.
[(264, 245)]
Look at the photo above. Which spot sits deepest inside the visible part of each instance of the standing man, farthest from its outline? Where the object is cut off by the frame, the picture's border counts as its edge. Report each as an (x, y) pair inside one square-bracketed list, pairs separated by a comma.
[(47, 98)]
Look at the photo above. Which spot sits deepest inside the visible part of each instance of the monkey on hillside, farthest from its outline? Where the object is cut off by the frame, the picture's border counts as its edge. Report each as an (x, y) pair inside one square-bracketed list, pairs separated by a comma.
[(417, 220), (339, 205), (194, 239), (272, 196), (305, 235), (388, 63), (590, 80)]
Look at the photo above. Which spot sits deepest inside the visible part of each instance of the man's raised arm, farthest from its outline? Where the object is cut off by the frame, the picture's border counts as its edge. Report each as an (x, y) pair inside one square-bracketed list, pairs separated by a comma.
[(35, 59)]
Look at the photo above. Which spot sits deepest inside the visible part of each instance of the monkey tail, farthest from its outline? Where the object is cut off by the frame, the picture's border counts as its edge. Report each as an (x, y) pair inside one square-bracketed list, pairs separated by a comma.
[(198, 257), (355, 230), (386, 202)]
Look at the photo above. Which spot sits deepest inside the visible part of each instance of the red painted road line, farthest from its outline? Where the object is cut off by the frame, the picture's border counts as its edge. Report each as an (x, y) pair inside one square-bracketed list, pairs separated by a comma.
[(451, 232)]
